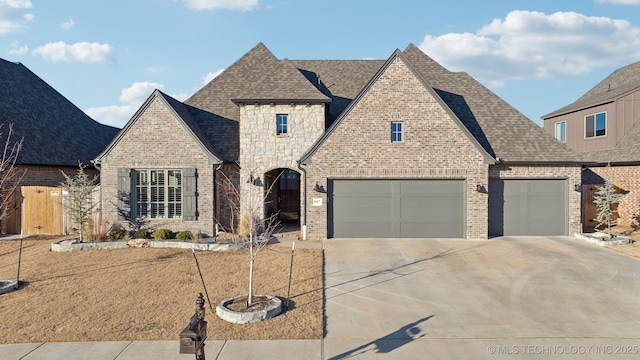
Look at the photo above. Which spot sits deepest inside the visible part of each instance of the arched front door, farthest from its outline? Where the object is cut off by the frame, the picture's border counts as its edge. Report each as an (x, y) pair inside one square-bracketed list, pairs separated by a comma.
[(284, 196)]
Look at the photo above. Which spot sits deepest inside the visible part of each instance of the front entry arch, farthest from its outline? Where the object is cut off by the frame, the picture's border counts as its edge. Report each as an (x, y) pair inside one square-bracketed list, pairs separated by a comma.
[(283, 194)]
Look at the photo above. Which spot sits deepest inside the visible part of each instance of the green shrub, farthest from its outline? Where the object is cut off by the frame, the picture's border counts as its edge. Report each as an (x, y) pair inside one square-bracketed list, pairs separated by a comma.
[(116, 233), (163, 234), (142, 234), (184, 235)]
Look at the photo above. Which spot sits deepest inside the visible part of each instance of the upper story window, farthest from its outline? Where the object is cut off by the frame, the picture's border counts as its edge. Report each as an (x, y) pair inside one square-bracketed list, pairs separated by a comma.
[(282, 123), (595, 125), (561, 131), (396, 131)]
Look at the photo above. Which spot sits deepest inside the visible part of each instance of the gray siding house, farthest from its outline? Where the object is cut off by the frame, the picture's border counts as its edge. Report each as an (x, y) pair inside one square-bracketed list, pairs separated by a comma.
[(364, 148), (603, 126)]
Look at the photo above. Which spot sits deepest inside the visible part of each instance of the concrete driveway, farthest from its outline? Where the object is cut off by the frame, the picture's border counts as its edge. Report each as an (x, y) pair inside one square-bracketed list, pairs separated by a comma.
[(510, 297)]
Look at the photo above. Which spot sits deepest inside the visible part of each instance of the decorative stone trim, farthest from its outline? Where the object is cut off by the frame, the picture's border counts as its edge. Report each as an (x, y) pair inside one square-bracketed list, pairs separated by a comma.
[(618, 240), (236, 317), (69, 245)]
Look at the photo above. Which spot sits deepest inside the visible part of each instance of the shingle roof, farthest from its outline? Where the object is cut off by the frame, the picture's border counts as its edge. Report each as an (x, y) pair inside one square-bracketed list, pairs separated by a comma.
[(620, 82), (498, 127), (626, 151), (283, 83), (340, 80), (55, 131), (500, 130)]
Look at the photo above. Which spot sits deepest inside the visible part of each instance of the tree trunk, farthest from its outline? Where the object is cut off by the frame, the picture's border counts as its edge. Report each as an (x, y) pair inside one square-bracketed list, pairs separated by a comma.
[(251, 261)]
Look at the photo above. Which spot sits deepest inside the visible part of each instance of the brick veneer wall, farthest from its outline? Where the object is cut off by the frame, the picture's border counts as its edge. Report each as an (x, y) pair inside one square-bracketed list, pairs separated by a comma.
[(570, 173), (157, 140), (627, 178), (434, 147)]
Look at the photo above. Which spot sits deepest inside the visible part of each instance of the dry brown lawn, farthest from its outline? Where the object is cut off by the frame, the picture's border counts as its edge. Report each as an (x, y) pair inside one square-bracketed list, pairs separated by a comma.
[(632, 249), (149, 294)]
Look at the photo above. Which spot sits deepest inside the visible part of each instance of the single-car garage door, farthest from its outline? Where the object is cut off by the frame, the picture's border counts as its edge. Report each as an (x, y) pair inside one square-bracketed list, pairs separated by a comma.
[(396, 208), (528, 207)]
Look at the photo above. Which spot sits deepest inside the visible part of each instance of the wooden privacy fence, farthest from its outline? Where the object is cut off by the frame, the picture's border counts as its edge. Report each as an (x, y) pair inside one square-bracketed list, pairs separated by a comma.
[(589, 209), (40, 210)]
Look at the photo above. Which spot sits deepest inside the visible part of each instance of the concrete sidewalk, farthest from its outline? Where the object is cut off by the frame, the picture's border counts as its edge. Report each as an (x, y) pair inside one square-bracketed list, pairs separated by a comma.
[(163, 350)]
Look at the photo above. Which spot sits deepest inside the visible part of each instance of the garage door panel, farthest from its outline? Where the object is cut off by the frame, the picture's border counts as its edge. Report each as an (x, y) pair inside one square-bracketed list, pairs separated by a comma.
[(364, 229), (528, 207), (396, 208)]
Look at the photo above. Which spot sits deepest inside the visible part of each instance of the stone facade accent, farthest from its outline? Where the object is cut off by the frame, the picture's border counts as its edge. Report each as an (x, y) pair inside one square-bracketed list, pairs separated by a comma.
[(625, 178), (570, 173), (158, 140), (433, 147), (262, 150)]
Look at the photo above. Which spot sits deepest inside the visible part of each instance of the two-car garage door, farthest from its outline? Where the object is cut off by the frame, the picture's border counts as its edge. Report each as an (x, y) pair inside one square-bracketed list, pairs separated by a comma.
[(396, 208), (437, 208)]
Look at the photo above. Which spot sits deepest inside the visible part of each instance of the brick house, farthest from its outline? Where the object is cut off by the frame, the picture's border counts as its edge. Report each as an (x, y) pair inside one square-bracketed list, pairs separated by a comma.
[(350, 148), (603, 126), (57, 136)]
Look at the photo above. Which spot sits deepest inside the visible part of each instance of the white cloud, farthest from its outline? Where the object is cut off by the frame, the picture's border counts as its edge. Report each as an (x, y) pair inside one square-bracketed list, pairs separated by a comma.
[(132, 97), (94, 53), (622, 2), (242, 5), (17, 49), (527, 44), (12, 16), (210, 76), (67, 25)]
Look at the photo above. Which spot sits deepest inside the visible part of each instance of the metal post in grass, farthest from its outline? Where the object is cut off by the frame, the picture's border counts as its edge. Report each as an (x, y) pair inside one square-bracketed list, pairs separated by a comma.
[(201, 278), (19, 260), (293, 247)]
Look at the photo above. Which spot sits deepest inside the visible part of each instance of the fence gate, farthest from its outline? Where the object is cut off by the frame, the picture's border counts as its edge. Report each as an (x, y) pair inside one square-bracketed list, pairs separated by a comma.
[(589, 209), (41, 210)]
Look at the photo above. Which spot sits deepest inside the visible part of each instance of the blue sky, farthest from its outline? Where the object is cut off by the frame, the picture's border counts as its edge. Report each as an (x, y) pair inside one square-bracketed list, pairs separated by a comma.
[(107, 56)]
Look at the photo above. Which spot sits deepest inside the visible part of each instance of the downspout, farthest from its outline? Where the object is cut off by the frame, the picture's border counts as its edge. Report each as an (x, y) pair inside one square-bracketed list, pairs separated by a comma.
[(96, 164), (304, 197), (216, 212)]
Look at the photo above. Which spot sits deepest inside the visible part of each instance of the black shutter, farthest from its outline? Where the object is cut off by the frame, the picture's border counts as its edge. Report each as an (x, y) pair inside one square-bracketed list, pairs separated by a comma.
[(189, 195), (124, 193)]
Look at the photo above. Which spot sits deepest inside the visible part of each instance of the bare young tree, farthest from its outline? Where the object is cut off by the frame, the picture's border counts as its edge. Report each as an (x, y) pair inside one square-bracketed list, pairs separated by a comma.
[(254, 228), (79, 197), (10, 175)]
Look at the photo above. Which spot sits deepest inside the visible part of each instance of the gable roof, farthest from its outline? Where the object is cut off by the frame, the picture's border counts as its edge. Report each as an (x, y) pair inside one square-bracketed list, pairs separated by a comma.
[(283, 83), (396, 55), (619, 83), (55, 131), (499, 130), (182, 114)]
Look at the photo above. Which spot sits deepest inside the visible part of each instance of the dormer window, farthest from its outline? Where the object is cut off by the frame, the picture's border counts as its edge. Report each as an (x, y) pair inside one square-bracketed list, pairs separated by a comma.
[(282, 122), (595, 125)]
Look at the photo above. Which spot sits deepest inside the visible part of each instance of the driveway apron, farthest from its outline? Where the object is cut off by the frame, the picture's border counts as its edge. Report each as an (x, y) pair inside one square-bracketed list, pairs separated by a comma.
[(533, 297)]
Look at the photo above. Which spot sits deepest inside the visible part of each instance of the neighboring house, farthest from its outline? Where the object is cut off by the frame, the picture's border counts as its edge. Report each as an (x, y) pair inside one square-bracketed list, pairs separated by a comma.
[(365, 148), (604, 127), (57, 136)]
